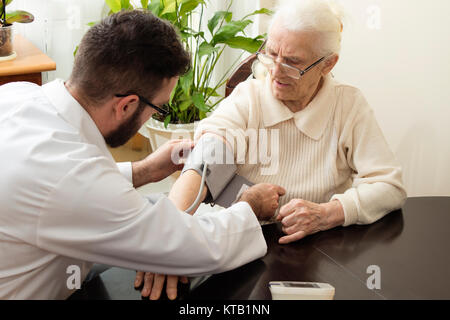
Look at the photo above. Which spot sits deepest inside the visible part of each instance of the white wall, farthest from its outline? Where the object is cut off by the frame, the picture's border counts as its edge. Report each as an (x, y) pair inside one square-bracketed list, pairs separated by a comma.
[(58, 28), (398, 53)]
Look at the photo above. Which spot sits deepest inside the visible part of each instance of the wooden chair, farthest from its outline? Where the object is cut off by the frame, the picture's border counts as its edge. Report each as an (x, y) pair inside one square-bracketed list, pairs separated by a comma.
[(242, 72)]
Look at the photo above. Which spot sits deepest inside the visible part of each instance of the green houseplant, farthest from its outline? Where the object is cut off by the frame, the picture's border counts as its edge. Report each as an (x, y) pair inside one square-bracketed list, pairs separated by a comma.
[(196, 93), (6, 21)]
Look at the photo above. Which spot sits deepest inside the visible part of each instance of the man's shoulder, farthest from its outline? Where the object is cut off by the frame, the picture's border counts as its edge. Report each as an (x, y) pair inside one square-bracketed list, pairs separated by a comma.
[(19, 85), (14, 94)]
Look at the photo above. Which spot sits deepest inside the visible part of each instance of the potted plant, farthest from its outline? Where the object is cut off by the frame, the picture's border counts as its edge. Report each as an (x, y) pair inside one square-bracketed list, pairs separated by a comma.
[(196, 94), (6, 34)]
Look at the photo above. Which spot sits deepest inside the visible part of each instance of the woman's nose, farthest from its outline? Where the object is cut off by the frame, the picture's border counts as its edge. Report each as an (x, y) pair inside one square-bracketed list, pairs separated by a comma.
[(277, 69)]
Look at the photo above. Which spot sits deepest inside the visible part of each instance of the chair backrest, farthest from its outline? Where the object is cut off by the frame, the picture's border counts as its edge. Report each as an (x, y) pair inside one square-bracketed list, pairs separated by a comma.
[(242, 72)]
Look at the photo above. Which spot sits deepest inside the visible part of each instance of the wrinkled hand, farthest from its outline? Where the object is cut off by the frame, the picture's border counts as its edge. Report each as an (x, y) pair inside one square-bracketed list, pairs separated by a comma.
[(154, 283), (300, 218), (263, 198)]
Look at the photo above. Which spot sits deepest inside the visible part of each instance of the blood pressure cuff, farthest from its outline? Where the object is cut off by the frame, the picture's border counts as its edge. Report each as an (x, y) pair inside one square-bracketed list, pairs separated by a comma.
[(212, 150)]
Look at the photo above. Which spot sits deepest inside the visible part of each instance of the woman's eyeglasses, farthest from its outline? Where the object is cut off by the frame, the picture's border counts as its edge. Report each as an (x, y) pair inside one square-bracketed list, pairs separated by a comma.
[(287, 69)]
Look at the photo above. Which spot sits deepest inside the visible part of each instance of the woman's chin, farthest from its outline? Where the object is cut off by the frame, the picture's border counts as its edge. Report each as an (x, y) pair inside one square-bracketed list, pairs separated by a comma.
[(281, 92)]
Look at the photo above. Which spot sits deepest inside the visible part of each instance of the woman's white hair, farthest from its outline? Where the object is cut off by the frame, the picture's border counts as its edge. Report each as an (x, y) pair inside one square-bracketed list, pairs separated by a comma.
[(322, 16)]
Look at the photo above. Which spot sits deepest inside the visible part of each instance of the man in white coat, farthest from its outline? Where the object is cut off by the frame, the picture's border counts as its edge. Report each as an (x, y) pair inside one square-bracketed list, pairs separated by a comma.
[(66, 204)]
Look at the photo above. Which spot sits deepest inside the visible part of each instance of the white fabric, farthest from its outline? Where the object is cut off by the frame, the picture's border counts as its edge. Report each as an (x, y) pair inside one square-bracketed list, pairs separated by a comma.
[(64, 202), (332, 149)]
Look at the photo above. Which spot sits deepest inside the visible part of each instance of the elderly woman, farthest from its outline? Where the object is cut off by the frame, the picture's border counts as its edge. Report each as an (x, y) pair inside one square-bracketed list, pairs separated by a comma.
[(334, 162)]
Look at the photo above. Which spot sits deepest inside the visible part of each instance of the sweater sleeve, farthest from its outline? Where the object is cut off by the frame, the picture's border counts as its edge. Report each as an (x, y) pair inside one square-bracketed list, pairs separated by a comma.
[(230, 120), (377, 187)]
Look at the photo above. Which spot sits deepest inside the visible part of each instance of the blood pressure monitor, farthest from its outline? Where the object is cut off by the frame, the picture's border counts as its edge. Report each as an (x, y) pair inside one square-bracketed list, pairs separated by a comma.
[(294, 290)]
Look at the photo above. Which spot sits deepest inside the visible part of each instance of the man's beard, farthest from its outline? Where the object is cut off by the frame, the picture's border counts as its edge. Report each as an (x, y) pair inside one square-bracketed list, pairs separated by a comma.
[(126, 130)]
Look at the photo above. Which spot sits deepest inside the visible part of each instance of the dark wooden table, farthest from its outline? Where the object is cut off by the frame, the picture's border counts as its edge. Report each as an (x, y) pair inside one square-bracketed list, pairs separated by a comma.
[(410, 247)]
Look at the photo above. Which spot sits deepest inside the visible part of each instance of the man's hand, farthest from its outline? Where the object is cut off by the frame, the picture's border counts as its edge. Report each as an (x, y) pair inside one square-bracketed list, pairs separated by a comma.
[(154, 283), (300, 218), (263, 198), (167, 159)]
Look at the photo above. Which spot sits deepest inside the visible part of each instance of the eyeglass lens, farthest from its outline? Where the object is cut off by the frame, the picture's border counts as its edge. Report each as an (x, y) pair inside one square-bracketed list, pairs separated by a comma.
[(286, 69)]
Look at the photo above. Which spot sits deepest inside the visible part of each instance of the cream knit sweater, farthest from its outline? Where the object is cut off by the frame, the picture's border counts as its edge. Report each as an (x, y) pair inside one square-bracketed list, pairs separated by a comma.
[(332, 149)]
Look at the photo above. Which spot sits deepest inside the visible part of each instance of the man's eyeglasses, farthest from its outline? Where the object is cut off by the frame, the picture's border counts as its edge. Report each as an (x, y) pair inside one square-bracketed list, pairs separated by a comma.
[(289, 70), (162, 112)]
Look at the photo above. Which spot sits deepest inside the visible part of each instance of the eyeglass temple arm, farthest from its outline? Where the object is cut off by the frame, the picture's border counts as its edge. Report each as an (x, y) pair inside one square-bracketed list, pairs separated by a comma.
[(314, 64), (262, 46)]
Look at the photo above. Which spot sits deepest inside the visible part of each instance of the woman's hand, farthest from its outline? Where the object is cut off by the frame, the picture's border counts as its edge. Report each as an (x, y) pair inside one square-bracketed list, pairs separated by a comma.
[(300, 218)]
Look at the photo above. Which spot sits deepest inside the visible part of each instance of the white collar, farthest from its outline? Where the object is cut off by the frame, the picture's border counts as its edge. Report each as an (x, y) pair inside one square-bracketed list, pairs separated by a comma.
[(72, 112), (312, 120)]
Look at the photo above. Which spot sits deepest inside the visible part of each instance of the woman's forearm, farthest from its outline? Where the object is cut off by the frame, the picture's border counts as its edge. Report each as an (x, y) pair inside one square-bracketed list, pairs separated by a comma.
[(185, 190)]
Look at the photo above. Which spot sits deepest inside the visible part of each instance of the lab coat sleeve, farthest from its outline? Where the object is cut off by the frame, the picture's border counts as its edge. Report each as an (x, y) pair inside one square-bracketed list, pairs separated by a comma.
[(126, 170), (96, 215)]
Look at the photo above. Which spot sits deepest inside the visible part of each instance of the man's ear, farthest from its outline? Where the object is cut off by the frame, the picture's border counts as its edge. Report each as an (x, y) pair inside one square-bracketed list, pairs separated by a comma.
[(125, 107), (330, 62)]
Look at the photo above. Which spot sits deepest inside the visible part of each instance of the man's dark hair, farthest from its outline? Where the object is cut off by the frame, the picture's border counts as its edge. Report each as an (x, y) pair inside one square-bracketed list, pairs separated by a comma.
[(128, 52)]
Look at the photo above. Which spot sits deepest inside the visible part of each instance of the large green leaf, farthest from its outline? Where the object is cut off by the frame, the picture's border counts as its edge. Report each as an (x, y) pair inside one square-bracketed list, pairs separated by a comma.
[(170, 6), (144, 4), (184, 6), (211, 92), (214, 21), (186, 82), (189, 5), (6, 3), (185, 104), (188, 32), (167, 121), (247, 44), (260, 11), (114, 5), (199, 102), (125, 4), (230, 30), (19, 16), (202, 115), (206, 48), (117, 5), (155, 6)]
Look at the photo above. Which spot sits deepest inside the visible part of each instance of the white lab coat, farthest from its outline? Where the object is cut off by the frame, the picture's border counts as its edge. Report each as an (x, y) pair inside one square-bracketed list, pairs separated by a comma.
[(65, 202)]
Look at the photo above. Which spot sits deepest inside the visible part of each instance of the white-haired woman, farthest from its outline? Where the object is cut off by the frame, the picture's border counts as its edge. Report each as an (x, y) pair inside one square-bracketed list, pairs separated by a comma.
[(334, 162)]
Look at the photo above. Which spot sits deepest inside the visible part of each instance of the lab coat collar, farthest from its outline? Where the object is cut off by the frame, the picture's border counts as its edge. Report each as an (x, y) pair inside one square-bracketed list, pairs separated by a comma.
[(72, 112), (312, 120)]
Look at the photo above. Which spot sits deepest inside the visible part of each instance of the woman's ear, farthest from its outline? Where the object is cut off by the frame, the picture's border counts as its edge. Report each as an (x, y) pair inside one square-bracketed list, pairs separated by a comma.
[(330, 62)]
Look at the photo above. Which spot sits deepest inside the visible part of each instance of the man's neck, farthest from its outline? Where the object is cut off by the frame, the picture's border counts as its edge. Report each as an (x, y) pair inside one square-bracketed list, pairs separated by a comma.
[(74, 92)]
